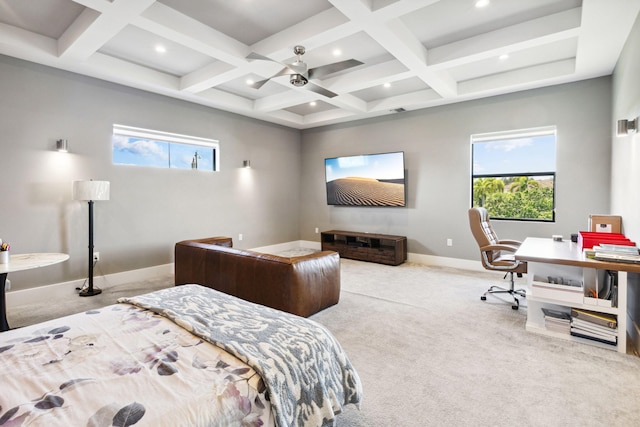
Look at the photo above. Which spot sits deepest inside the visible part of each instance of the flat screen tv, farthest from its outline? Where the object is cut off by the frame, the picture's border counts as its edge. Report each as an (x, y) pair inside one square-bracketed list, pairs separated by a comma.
[(366, 180)]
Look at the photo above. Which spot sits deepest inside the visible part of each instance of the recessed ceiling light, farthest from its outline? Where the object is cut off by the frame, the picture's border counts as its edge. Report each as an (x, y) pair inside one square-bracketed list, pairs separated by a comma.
[(504, 56), (160, 48), (482, 3), (250, 82), (387, 85), (312, 103), (337, 52)]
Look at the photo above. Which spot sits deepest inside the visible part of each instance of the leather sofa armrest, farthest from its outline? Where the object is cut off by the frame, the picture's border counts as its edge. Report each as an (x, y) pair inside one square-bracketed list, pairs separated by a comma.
[(316, 283), (218, 240)]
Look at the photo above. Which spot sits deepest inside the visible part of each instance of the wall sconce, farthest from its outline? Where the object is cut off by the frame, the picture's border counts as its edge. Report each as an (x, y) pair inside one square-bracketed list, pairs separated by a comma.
[(625, 127), (246, 163), (62, 145)]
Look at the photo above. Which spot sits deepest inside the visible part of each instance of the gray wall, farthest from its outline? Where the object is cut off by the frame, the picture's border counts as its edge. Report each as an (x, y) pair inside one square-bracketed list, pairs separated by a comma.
[(437, 150), (150, 209), (626, 150)]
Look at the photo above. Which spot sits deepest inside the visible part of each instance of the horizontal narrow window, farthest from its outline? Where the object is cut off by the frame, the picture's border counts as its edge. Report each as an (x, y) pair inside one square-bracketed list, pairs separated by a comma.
[(144, 147)]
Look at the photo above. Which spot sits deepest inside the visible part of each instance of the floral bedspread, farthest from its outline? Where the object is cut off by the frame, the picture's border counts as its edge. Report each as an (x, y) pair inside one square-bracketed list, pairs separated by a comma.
[(122, 366), (307, 374)]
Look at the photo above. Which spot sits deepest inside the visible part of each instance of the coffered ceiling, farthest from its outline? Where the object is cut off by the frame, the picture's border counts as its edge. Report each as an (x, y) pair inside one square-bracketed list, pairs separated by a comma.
[(415, 53)]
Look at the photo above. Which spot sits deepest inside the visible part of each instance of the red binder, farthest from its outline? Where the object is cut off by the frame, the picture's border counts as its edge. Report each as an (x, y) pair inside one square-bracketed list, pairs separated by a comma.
[(588, 239)]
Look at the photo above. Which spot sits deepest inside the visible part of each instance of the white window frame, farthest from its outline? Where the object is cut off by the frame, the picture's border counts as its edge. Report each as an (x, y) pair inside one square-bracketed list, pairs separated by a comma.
[(175, 138), (518, 134)]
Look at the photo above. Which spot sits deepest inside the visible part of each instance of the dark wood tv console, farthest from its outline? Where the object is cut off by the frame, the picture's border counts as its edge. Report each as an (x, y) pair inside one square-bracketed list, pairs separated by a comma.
[(380, 248)]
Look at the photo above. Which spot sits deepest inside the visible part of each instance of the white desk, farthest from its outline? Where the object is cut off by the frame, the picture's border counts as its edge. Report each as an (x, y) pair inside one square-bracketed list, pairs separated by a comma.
[(542, 254), (22, 262)]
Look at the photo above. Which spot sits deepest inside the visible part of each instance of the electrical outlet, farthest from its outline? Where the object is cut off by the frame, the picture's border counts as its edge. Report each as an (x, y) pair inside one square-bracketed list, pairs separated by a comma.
[(96, 256), (449, 242), (240, 236), (317, 230)]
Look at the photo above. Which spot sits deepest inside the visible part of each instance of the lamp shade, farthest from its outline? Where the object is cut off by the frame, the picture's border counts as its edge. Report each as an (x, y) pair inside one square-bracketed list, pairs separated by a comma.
[(90, 190)]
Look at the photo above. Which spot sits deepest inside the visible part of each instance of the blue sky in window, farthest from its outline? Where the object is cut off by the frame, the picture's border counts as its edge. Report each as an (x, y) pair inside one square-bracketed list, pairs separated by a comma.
[(145, 152), (520, 156), (140, 151), (183, 154), (377, 166)]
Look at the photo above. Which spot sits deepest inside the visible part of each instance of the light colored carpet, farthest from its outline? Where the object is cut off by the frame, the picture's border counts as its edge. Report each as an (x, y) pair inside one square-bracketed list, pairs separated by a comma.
[(429, 352)]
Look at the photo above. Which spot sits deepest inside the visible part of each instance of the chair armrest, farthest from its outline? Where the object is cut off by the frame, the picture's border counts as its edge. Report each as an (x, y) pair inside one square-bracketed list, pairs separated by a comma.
[(510, 242), (499, 247)]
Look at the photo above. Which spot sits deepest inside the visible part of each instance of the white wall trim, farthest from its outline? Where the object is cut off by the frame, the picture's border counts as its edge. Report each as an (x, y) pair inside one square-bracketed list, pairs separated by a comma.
[(440, 261), (57, 290)]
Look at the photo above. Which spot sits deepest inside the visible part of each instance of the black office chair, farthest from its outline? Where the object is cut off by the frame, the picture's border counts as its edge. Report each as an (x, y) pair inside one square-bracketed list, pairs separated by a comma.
[(497, 255)]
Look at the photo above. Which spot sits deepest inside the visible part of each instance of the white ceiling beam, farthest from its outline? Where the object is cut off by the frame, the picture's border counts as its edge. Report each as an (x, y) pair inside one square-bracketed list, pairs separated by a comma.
[(396, 38), (281, 100), (172, 25), (413, 100), (595, 51), (374, 75), (126, 73), (523, 77), (326, 116), (223, 100), (92, 29), (286, 118), (400, 8), (209, 76), (29, 46), (347, 102), (538, 32), (318, 30)]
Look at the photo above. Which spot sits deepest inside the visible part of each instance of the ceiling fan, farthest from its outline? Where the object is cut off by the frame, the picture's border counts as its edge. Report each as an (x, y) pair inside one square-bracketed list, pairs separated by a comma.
[(299, 74)]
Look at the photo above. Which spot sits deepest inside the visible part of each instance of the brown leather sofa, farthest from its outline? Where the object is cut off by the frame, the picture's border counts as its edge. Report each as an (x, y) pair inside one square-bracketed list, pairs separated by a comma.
[(300, 285)]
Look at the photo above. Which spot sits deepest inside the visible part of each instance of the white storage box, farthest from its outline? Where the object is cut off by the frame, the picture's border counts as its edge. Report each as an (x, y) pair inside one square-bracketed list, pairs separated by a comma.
[(563, 293)]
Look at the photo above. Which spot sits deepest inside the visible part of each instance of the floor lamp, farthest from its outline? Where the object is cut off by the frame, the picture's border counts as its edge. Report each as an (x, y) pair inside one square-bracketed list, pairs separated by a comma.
[(90, 191)]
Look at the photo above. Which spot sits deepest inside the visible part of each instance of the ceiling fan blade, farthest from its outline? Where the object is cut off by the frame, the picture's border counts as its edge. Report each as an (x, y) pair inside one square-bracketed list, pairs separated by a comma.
[(323, 70), (320, 90), (258, 85), (257, 56), (286, 71)]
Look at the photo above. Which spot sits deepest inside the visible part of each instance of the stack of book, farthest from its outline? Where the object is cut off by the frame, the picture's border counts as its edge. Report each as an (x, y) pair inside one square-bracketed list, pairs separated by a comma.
[(557, 321), (617, 253), (594, 326)]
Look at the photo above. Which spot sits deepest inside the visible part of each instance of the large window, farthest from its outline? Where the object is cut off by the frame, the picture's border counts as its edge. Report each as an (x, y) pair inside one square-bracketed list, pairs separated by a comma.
[(144, 147), (514, 174)]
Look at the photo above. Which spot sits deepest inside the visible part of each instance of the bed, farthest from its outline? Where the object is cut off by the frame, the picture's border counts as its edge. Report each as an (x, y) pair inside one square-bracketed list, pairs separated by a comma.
[(183, 356)]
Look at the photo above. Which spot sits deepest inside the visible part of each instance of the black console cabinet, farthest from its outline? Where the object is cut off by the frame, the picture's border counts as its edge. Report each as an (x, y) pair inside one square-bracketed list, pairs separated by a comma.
[(380, 248)]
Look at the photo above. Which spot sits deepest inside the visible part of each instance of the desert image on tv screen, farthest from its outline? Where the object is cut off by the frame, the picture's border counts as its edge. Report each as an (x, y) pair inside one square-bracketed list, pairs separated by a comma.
[(367, 180)]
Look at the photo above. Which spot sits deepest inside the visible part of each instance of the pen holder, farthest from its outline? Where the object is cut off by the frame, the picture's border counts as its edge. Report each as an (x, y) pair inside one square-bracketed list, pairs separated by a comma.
[(4, 257)]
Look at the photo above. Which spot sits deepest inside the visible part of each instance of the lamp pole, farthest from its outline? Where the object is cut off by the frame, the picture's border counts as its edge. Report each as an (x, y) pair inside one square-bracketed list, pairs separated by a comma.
[(90, 291)]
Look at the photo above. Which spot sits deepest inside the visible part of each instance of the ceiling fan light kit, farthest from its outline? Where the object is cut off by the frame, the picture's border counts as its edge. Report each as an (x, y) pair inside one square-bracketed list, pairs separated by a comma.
[(299, 74)]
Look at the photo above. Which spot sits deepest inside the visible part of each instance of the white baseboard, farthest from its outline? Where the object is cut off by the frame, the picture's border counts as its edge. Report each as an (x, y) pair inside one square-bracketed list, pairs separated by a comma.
[(440, 261), (57, 290)]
